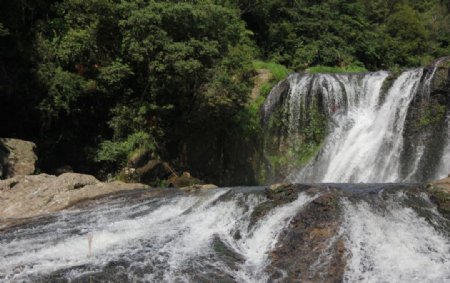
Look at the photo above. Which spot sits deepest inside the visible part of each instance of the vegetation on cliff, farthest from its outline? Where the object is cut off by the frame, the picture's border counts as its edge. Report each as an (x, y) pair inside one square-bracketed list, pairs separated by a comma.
[(94, 82)]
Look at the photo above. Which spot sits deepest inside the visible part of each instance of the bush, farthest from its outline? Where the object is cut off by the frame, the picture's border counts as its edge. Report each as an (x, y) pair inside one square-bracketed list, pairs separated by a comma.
[(336, 70), (279, 72), (118, 152)]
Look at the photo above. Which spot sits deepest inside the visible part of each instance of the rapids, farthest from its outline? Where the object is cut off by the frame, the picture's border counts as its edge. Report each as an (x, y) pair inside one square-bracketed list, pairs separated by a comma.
[(231, 235)]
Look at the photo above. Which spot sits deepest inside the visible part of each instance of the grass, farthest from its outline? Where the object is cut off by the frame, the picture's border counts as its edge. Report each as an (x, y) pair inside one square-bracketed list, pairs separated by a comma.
[(279, 72), (336, 70)]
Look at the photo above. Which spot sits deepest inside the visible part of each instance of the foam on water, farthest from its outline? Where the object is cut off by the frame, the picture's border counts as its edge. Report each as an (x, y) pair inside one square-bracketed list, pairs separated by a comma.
[(393, 245), (259, 240), (170, 240), (366, 141)]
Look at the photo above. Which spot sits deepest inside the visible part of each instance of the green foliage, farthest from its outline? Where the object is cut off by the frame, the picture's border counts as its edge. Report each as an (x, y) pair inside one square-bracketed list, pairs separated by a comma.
[(336, 70), (432, 114), (82, 72), (248, 119), (278, 71), (315, 128), (119, 151), (155, 67), (228, 90), (63, 91), (300, 154), (292, 148), (373, 34)]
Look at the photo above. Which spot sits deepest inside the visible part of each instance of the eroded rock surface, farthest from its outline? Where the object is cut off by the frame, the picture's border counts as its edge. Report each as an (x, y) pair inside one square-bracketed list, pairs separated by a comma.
[(17, 157), (314, 234), (440, 194), (34, 195)]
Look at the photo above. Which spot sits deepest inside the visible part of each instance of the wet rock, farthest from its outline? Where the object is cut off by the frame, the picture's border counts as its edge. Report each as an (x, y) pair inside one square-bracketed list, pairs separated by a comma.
[(198, 187), (442, 75), (274, 99), (314, 234), (279, 194), (17, 157), (185, 180), (285, 193), (440, 194), (28, 196)]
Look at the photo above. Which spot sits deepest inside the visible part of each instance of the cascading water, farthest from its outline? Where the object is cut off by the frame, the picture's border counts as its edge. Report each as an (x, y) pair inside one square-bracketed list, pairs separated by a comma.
[(387, 234), (367, 121), (379, 130), (393, 245), (444, 166), (178, 239)]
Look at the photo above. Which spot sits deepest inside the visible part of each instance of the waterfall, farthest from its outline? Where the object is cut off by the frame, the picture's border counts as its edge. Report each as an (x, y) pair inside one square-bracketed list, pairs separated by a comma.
[(444, 166), (367, 118)]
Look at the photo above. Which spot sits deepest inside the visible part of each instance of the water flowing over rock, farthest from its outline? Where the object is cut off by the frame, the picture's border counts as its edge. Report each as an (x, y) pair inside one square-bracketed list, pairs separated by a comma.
[(35, 195), (368, 127), (288, 233)]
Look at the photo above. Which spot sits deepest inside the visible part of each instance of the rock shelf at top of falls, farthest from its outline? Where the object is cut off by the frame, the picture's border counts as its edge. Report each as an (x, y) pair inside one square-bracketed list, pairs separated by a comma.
[(25, 196), (283, 233)]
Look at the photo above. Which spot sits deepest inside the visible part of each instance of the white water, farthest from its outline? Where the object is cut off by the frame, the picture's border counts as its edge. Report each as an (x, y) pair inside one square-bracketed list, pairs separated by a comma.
[(444, 166), (161, 240), (366, 140), (211, 237), (366, 125), (393, 245)]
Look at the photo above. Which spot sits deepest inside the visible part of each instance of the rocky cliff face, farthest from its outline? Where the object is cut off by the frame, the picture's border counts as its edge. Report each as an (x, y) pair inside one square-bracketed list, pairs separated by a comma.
[(427, 123)]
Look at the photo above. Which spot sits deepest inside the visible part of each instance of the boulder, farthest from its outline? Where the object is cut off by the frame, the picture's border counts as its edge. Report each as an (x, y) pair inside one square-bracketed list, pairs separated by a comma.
[(313, 233), (154, 170), (28, 196), (185, 180), (17, 157)]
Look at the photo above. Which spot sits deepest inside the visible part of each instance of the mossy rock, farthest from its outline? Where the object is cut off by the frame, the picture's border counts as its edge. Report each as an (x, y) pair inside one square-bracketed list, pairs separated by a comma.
[(440, 194), (185, 180)]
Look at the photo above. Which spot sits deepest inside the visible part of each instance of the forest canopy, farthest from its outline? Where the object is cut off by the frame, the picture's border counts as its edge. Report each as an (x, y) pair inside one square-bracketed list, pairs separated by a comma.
[(93, 80)]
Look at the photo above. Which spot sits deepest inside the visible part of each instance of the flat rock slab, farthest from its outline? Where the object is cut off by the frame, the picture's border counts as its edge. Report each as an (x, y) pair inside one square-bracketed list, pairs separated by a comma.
[(35, 195)]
